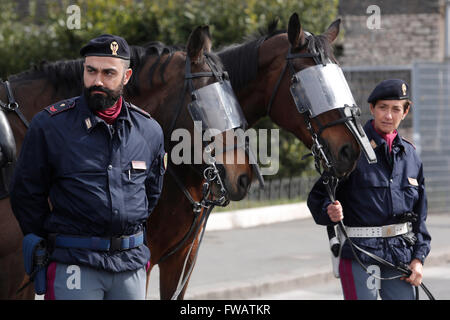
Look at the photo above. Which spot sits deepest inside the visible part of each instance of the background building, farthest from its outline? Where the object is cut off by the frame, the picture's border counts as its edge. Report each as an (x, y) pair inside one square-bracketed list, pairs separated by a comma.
[(405, 39)]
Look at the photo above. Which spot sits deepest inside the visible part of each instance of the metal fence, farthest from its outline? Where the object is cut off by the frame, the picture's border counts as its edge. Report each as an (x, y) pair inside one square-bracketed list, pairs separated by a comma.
[(427, 125), (431, 96), (286, 188), (276, 191)]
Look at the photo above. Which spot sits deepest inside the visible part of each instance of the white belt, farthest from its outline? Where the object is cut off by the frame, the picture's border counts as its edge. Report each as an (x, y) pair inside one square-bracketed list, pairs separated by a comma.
[(391, 230)]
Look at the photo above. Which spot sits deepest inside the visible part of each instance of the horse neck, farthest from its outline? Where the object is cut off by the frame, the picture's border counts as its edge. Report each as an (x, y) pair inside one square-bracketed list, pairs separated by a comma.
[(258, 93), (31, 95), (254, 97)]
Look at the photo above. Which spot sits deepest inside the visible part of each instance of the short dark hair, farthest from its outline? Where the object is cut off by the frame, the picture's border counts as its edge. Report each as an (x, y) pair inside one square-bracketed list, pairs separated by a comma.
[(406, 105)]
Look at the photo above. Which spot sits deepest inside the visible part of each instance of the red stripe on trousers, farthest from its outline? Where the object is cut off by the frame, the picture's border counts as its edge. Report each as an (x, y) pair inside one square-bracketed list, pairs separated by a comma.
[(51, 274), (347, 280)]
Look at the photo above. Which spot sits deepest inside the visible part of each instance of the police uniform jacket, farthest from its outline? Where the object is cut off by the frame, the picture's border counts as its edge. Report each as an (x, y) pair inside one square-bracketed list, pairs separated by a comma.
[(380, 194), (101, 181)]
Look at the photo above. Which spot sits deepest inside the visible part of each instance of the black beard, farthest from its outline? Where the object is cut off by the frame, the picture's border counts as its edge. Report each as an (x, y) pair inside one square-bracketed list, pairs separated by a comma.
[(98, 101)]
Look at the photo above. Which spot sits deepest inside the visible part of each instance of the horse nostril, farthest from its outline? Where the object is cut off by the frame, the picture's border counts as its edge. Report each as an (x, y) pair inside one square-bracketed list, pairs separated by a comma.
[(346, 153), (244, 181)]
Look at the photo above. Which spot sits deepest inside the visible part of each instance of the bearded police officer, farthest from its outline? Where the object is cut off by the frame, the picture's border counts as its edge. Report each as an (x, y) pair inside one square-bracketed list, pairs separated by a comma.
[(383, 205), (89, 174)]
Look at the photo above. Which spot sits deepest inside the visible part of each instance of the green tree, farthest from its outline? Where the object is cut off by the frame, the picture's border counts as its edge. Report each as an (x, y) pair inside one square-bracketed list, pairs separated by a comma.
[(27, 40)]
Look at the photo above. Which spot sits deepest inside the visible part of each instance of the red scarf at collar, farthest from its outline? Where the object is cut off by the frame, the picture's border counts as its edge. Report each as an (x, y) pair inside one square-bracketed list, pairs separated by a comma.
[(109, 115), (389, 138)]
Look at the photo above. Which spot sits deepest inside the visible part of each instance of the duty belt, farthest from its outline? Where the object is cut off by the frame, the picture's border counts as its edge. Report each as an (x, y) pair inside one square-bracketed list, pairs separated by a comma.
[(119, 243), (387, 231)]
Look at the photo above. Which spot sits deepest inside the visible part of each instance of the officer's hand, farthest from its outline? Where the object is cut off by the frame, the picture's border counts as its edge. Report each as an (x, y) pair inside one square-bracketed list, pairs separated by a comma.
[(334, 211), (417, 272)]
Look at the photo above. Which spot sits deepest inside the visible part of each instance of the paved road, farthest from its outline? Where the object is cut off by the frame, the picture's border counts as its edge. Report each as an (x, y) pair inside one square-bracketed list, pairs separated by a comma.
[(284, 260), (437, 280)]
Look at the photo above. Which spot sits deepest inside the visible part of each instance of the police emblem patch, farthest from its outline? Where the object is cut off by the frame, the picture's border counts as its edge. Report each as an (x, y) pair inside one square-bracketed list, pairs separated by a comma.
[(165, 161)]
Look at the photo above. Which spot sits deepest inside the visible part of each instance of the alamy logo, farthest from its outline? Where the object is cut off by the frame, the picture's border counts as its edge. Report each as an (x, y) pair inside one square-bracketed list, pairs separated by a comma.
[(264, 143), (374, 20), (374, 282), (74, 280), (73, 17)]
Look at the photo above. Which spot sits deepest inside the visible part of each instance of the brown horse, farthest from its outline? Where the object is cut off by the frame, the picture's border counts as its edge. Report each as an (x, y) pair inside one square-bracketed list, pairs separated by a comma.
[(262, 85), (257, 72), (158, 86)]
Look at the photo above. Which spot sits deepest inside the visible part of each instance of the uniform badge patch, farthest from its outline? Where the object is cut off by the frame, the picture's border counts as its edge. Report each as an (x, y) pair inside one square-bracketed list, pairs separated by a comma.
[(60, 107), (138, 165), (413, 181)]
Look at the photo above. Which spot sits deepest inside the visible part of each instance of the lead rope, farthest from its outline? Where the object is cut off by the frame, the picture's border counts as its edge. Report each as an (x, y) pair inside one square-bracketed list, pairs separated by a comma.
[(186, 275), (331, 183)]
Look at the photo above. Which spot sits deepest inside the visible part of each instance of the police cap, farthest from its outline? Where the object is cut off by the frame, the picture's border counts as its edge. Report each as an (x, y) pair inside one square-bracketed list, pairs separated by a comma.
[(107, 45), (392, 89)]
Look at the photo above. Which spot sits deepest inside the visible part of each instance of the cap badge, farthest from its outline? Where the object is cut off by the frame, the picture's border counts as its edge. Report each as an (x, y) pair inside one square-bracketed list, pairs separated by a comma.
[(114, 47), (404, 89)]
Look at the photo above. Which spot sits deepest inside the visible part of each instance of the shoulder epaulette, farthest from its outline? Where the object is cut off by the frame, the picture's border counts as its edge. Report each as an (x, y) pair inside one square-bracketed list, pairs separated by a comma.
[(406, 140), (139, 110), (60, 106)]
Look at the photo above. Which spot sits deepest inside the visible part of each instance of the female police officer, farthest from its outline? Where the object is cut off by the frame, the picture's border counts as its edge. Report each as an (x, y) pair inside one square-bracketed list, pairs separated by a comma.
[(99, 160), (383, 205)]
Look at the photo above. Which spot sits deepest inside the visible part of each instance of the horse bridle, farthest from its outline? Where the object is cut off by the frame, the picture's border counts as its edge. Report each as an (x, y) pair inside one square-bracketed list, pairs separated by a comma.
[(322, 157), (12, 105), (210, 172)]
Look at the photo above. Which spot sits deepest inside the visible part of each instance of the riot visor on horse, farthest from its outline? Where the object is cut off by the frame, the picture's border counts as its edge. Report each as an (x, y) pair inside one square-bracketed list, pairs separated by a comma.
[(263, 73)]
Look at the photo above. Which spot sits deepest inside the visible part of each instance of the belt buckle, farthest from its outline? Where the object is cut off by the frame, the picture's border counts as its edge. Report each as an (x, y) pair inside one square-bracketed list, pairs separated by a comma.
[(115, 244), (388, 231)]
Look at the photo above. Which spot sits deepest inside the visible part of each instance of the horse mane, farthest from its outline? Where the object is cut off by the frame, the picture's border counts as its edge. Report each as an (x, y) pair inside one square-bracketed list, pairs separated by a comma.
[(65, 76), (241, 60)]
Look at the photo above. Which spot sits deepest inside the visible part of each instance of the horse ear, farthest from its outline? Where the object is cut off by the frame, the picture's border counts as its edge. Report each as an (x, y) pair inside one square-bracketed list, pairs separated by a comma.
[(296, 35), (333, 31), (199, 42)]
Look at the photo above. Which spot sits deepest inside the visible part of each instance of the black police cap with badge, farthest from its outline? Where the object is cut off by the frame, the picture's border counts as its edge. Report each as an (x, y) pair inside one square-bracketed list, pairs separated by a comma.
[(107, 45), (392, 89)]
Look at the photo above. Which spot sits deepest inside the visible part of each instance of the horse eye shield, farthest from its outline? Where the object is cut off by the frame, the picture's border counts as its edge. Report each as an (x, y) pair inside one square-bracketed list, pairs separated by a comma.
[(322, 88), (216, 107)]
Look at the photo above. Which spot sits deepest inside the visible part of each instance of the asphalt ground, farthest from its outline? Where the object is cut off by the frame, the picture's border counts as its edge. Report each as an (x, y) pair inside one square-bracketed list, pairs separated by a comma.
[(267, 258)]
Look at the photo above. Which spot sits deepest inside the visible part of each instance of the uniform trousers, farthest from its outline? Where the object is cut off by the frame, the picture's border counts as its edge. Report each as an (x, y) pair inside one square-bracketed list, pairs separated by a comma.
[(357, 284), (77, 282)]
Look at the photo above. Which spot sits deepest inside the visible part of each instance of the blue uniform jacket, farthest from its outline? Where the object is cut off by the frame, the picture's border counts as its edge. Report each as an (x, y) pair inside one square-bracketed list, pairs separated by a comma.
[(86, 170), (376, 195)]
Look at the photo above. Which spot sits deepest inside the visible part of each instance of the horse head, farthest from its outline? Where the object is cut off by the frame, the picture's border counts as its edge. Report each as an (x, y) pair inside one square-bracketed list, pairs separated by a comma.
[(199, 109), (304, 91)]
